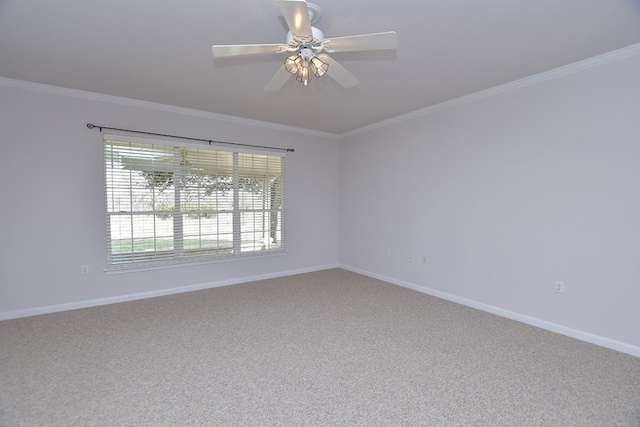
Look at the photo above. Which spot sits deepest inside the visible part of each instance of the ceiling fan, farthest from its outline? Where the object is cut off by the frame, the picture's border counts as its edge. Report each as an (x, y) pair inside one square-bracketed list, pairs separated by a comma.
[(307, 47)]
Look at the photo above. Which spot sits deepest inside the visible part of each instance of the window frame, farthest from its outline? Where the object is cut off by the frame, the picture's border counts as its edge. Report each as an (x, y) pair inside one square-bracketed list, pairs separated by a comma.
[(178, 255)]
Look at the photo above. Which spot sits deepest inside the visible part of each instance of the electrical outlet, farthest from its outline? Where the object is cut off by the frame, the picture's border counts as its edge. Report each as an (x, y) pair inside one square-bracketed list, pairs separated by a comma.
[(84, 269), (559, 288), (424, 259)]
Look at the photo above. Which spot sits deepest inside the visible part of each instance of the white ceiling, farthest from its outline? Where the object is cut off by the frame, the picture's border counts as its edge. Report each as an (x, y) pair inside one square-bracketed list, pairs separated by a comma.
[(160, 51)]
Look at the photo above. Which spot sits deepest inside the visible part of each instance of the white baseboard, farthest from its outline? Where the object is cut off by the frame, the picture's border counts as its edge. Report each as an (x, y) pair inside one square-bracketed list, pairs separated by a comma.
[(543, 324), (162, 292)]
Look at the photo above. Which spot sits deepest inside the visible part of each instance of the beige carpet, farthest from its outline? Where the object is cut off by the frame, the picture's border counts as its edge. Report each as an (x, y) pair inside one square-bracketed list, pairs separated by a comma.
[(330, 348)]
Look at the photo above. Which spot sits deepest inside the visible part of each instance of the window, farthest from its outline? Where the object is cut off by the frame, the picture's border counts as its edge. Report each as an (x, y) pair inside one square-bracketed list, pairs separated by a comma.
[(168, 204)]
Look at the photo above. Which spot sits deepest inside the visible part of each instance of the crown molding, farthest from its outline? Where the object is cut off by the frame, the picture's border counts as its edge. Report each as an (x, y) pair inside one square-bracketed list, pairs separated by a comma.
[(595, 61), (92, 96)]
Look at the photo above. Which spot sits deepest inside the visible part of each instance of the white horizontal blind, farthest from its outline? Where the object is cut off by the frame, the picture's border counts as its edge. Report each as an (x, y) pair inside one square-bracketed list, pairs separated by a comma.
[(169, 204)]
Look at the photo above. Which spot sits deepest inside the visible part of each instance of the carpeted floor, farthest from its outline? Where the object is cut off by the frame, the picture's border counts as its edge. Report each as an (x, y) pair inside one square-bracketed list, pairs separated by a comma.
[(330, 348)]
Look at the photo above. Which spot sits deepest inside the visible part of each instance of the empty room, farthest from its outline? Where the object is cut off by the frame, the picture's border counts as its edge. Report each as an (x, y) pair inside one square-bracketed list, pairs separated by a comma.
[(327, 213)]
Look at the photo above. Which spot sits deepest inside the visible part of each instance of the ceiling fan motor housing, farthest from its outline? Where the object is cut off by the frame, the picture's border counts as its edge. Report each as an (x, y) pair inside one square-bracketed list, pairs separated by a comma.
[(306, 55)]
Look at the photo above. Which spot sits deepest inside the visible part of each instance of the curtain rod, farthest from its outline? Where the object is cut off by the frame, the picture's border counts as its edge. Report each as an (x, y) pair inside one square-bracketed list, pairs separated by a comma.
[(210, 141)]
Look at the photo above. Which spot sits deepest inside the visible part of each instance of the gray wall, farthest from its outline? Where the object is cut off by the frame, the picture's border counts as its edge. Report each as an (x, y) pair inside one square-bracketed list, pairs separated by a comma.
[(505, 195), (52, 194)]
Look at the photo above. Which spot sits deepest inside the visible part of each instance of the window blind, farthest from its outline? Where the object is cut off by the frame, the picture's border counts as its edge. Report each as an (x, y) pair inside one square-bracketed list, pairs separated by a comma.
[(169, 204)]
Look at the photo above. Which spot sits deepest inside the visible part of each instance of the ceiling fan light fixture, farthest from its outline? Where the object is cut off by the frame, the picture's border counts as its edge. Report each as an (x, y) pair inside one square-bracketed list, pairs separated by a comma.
[(293, 63), (304, 64), (318, 67), (302, 67), (303, 75)]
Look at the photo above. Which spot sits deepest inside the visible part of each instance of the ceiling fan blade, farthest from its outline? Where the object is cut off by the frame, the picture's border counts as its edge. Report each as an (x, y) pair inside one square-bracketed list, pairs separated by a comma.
[(338, 73), (296, 13), (375, 41), (278, 80), (220, 51)]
